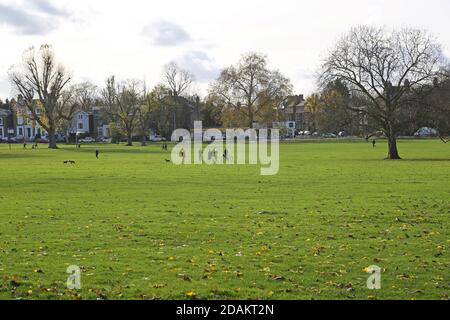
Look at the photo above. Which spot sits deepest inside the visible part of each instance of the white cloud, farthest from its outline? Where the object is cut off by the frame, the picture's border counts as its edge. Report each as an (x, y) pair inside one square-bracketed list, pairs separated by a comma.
[(135, 39), (199, 64), (165, 33)]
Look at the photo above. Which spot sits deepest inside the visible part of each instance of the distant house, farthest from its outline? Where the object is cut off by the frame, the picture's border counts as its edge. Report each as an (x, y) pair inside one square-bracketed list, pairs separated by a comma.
[(99, 124), (26, 127), (80, 123), (5, 115), (91, 123), (293, 110)]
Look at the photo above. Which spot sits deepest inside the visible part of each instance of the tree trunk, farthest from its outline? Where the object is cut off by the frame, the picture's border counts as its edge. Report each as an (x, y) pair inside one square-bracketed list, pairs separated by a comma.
[(52, 139), (143, 140), (392, 148), (129, 140)]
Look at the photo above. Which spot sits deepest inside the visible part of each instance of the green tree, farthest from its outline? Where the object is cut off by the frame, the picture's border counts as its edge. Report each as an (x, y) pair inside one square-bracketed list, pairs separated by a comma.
[(249, 87)]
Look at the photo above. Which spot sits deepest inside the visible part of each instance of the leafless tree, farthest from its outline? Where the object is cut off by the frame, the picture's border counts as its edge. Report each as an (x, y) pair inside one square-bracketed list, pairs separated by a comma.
[(249, 87), (384, 66), (86, 95), (178, 81), (42, 83), (121, 104), (150, 103), (437, 106)]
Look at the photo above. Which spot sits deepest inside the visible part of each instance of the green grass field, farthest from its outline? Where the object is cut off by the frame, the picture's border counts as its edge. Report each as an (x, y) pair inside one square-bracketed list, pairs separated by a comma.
[(141, 228)]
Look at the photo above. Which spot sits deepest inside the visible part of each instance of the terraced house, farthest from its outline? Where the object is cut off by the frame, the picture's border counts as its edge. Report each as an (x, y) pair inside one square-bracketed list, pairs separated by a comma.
[(6, 119), (92, 123), (26, 127)]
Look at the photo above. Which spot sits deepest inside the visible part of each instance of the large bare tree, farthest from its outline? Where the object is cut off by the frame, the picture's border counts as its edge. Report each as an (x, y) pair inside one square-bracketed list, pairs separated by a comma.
[(384, 66), (249, 87), (86, 95), (121, 104), (178, 81), (42, 83)]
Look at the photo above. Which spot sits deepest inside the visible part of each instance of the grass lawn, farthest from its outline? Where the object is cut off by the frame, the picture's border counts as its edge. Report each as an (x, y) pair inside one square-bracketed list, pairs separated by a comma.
[(142, 228)]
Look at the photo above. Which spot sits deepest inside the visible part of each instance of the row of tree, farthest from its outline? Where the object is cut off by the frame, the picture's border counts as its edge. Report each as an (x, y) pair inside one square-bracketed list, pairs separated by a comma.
[(374, 79), (242, 94)]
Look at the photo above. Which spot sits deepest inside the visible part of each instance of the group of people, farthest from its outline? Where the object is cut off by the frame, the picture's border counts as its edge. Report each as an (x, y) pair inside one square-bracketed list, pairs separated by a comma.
[(213, 154)]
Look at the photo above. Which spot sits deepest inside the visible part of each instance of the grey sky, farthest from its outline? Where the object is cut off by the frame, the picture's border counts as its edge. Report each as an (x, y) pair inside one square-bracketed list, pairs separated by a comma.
[(166, 33), (23, 22), (134, 39)]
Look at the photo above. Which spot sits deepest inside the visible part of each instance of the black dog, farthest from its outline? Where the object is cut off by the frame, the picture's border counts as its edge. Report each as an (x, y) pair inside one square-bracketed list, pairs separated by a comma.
[(69, 162), (167, 160)]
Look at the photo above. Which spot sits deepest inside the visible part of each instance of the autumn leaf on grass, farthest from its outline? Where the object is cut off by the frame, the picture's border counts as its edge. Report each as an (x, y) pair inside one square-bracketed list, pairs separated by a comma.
[(191, 294)]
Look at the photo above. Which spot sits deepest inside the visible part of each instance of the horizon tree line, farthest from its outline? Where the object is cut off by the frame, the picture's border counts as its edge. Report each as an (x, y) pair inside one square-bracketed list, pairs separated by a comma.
[(374, 79)]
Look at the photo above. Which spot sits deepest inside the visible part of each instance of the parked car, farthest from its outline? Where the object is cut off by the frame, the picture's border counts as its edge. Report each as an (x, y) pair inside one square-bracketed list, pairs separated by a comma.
[(329, 135), (9, 140), (426, 132), (156, 138), (87, 140), (342, 134)]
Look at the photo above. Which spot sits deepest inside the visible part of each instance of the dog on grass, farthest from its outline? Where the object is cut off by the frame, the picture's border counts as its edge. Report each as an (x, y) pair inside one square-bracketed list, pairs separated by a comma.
[(69, 162)]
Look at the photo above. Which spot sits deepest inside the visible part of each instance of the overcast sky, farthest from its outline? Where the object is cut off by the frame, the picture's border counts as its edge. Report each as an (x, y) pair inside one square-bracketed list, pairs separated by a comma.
[(135, 39)]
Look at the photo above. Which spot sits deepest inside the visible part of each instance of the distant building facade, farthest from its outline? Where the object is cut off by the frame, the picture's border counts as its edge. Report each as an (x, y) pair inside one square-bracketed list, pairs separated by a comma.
[(93, 124), (294, 111)]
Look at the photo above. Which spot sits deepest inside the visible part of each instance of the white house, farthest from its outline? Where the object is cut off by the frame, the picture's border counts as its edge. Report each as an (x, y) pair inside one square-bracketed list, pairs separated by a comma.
[(91, 123), (3, 126), (80, 123), (28, 129)]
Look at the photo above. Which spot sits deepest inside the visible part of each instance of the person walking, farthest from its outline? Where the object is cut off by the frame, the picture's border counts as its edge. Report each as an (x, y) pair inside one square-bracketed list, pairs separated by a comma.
[(97, 153)]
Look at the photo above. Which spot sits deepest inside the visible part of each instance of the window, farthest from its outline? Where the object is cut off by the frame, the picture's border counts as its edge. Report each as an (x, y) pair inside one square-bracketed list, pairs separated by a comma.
[(1, 121), (1, 131), (19, 121), (80, 116), (20, 132), (80, 126)]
